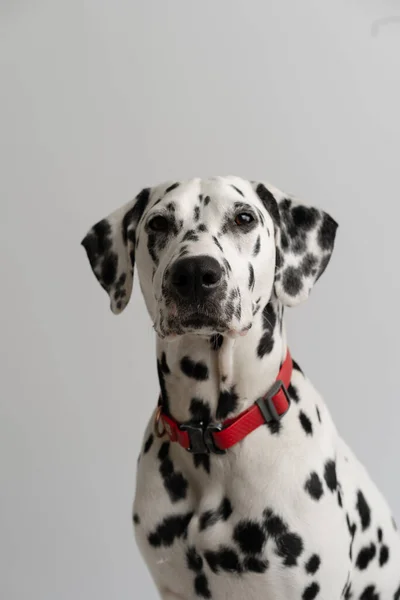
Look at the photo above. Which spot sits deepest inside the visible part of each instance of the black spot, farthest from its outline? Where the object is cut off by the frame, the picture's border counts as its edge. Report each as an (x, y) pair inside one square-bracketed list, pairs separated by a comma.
[(195, 370), (289, 546), (318, 414), (292, 282), (299, 247), (257, 246), (136, 212), (309, 265), (166, 468), (136, 519), (339, 499), (380, 535), (266, 342), (109, 269), (225, 509), (225, 559), (363, 510), (174, 482), (171, 528), (327, 232), (121, 281), (274, 525), (284, 241), (313, 486), (269, 317), (148, 444), (255, 565), (312, 565), (311, 591), (101, 242), (304, 217), (211, 517), (278, 260), (196, 214), (305, 423), (202, 228), (250, 537), (206, 200), (237, 189), (330, 475), (216, 341), (216, 242), (265, 345), (251, 277), (322, 265), (297, 367), (164, 394), (227, 403), (201, 586), (352, 527), (207, 519), (365, 556), (163, 451), (171, 206), (200, 411), (164, 365), (397, 594), (202, 460), (274, 426), (292, 390), (171, 187), (369, 593), (190, 236), (194, 560), (269, 203), (383, 555)]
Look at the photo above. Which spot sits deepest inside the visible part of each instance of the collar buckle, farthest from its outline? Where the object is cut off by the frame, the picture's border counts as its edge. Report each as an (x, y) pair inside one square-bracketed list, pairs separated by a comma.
[(267, 406), (201, 438)]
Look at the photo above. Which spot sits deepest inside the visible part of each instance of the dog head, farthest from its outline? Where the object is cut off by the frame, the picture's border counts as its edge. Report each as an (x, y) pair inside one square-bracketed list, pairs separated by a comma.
[(209, 252)]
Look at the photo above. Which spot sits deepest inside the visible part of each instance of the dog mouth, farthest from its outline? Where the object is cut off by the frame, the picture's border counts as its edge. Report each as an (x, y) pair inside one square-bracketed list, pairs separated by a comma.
[(199, 322)]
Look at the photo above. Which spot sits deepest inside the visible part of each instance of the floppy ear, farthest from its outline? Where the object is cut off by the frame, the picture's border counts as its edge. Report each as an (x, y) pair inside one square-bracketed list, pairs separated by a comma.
[(110, 247), (304, 238)]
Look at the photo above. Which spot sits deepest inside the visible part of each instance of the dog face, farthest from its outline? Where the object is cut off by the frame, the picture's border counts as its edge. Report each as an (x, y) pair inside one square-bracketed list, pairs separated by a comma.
[(210, 252)]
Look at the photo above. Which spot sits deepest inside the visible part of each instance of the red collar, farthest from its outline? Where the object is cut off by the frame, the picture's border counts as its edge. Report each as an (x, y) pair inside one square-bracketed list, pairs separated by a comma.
[(217, 438)]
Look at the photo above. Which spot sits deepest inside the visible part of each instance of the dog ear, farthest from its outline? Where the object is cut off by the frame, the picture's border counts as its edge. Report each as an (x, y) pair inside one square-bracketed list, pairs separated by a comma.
[(304, 238), (110, 247)]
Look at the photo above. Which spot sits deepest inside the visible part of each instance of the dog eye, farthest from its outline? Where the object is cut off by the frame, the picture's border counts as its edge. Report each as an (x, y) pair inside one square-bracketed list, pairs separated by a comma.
[(158, 223), (243, 219)]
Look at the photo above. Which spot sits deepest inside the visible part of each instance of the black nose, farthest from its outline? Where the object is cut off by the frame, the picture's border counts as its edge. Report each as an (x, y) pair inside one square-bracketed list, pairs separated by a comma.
[(194, 278)]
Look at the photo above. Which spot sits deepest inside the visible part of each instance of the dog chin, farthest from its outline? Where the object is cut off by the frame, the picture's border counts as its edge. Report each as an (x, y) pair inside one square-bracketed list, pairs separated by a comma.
[(195, 324)]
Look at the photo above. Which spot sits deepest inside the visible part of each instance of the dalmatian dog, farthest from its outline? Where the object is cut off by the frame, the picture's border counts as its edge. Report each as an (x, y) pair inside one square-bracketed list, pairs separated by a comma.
[(245, 489)]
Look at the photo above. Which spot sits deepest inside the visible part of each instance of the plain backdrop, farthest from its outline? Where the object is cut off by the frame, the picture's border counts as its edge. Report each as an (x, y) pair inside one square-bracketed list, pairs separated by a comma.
[(100, 98)]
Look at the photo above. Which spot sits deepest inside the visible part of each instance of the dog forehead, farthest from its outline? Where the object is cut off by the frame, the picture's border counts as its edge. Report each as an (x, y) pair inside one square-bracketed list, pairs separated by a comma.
[(216, 194)]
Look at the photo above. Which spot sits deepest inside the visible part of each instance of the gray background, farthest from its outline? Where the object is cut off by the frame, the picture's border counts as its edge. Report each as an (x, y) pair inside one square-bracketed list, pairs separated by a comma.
[(101, 98)]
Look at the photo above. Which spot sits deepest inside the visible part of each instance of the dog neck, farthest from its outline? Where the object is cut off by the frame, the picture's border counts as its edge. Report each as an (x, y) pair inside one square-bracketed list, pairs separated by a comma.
[(210, 379)]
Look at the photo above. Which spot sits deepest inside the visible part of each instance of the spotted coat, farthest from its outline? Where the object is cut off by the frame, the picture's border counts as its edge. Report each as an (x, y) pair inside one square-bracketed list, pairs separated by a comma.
[(289, 512)]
